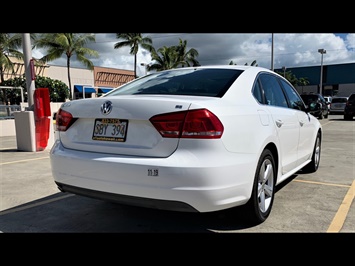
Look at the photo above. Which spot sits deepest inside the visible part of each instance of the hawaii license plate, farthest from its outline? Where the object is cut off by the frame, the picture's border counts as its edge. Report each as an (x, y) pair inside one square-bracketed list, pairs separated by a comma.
[(110, 129)]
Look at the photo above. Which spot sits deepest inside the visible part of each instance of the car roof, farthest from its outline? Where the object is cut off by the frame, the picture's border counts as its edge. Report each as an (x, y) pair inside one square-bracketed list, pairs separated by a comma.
[(239, 67)]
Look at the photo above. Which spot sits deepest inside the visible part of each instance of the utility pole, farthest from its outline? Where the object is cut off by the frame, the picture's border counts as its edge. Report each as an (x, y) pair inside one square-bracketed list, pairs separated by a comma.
[(321, 51), (272, 51)]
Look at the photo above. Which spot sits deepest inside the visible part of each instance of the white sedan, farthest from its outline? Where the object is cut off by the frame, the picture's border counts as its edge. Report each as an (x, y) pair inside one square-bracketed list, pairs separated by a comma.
[(197, 139)]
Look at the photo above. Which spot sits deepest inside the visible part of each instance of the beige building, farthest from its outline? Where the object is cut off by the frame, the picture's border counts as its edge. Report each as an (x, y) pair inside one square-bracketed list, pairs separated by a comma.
[(92, 82), (85, 83)]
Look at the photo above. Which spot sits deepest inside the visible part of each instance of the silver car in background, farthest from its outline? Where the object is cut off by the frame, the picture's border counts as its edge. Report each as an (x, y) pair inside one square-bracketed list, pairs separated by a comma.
[(337, 105)]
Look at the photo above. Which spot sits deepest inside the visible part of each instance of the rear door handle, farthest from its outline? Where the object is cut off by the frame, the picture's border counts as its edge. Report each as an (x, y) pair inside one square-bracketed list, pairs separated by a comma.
[(279, 123)]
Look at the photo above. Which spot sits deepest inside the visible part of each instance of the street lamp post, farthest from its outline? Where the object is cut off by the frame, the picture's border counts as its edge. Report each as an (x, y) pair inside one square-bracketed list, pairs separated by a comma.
[(321, 51), (284, 70)]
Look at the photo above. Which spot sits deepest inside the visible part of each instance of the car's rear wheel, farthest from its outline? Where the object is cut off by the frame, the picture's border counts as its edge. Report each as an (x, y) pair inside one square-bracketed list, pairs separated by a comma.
[(314, 164), (259, 205)]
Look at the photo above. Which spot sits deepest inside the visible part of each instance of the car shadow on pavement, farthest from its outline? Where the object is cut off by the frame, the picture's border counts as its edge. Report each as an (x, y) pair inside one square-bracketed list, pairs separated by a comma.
[(68, 213)]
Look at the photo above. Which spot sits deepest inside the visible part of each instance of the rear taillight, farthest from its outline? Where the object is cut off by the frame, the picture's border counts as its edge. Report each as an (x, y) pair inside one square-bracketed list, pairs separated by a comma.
[(201, 124), (64, 120)]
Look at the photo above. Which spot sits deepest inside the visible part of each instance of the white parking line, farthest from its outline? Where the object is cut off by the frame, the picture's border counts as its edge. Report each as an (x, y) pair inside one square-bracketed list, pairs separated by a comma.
[(35, 204), (21, 161), (329, 122), (8, 148)]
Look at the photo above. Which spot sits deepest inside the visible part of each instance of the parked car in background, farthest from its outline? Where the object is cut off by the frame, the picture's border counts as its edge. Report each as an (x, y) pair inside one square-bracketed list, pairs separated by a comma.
[(194, 139), (349, 110), (337, 105), (328, 100), (317, 104)]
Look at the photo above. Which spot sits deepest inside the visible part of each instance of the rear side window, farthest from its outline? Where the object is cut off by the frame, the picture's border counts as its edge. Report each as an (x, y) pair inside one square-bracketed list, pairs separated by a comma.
[(272, 91), (293, 97), (197, 82)]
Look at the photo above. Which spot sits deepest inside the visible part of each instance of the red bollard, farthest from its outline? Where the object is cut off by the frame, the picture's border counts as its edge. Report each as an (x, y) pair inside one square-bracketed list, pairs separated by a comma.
[(42, 112)]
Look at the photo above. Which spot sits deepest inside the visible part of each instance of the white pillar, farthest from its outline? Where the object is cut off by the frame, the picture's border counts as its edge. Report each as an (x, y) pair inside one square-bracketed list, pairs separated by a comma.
[(27, 52)]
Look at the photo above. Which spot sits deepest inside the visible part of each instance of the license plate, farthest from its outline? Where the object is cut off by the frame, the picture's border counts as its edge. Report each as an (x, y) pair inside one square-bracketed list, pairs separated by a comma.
[(110, 129)]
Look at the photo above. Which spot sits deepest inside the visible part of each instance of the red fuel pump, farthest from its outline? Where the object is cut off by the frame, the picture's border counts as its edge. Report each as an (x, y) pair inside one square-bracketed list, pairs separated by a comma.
[(42, 113)]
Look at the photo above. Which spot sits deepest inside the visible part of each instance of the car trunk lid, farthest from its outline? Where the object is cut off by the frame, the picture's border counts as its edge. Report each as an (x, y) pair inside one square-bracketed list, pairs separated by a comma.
[(126, 129)]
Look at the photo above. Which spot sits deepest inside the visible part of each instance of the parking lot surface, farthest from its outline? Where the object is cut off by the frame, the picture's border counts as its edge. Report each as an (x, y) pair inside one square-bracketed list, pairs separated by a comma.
[(322, 202)]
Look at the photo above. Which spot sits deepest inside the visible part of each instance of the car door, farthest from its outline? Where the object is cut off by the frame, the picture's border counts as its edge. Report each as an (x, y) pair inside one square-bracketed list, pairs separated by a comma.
[(286, 121), (305, 144)]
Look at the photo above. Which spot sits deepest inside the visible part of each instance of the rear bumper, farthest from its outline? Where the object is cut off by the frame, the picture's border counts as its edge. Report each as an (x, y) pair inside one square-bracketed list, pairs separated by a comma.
[(184, 181), (128, 200), (337, 111)]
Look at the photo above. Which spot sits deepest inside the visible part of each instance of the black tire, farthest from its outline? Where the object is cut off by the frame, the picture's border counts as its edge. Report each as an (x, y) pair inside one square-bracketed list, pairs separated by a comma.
[(314, 163), (259, 206), (321, 116), (326, 115)]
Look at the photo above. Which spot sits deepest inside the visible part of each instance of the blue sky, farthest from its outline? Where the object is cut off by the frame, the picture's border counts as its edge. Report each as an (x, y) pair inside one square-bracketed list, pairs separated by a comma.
[(290, 49)]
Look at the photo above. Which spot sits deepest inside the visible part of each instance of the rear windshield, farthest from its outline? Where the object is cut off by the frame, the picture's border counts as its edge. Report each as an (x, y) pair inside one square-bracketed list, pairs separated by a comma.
[(197, 82), (339, 100)]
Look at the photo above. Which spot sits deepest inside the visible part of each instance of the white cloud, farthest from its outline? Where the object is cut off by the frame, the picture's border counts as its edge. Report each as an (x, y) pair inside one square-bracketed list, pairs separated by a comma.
[(290, 50), (350, 41)]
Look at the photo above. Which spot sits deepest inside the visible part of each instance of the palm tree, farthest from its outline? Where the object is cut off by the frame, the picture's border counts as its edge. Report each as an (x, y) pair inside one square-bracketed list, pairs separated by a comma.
[(293, 79), (173, 57), (134, 40), (168, 59), (252, 63), (302, 82), (9, 45), (69, 44), (187, 56)]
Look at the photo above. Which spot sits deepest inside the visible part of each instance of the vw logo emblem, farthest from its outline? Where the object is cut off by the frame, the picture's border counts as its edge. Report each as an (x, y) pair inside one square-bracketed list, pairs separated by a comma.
[(106, 107)]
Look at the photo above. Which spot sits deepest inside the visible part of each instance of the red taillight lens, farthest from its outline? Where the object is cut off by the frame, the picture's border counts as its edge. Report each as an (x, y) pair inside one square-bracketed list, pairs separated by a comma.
[(63, 120), (202, 124), (199, 123)]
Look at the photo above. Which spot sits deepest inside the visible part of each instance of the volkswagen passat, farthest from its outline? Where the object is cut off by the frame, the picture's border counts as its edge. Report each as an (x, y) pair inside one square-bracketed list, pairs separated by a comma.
[(197, 139)]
